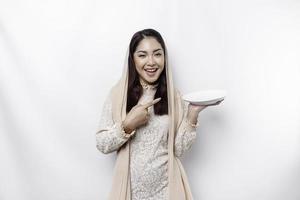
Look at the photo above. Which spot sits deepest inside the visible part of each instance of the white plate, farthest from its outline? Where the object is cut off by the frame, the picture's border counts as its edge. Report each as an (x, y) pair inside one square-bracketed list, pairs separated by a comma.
[(205, 97)]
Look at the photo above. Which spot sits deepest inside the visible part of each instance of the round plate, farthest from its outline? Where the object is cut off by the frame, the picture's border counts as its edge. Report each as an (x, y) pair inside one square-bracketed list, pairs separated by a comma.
[(205, 97)]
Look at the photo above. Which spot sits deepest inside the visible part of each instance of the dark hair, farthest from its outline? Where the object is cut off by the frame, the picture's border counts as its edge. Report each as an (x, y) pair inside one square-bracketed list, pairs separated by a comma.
[(135, 90)]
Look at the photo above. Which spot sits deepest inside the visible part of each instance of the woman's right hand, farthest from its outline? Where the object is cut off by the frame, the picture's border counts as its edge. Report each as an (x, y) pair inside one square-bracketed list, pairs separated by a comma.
[(138, 116)]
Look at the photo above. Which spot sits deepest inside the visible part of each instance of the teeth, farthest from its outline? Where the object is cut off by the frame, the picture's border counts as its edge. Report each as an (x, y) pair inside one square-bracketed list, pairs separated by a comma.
[(151, 70)]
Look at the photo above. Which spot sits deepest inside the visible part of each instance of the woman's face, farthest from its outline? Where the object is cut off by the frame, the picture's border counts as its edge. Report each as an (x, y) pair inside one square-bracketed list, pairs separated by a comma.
[(149, 59)]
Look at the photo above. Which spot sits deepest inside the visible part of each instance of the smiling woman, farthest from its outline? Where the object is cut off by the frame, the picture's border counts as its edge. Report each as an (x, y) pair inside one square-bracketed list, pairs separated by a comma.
[(149, 60), (146, 121), (146, 65)]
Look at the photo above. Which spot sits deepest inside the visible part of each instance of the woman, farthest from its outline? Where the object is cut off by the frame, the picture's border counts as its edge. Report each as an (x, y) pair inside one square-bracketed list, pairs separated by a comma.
[(146, 121)]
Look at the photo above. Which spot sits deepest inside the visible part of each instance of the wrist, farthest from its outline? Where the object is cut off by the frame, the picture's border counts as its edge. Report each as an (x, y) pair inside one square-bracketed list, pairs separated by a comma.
[(191, 124), (126, 133), (192, 116), (126, 127)]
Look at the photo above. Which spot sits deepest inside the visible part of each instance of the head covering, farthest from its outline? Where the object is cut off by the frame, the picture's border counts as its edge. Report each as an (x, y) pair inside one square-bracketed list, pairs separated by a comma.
[(178, 187)]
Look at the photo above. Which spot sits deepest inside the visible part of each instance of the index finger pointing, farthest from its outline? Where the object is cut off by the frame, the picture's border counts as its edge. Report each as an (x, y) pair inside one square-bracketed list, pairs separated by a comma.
[(147, 105)]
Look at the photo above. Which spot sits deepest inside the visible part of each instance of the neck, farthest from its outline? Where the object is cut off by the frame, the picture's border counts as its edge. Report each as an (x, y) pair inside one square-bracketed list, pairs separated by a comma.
[(147, 85)]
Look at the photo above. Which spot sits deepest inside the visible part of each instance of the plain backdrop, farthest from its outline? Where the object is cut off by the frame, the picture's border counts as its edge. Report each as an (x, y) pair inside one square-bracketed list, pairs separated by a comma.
[(59, 58)]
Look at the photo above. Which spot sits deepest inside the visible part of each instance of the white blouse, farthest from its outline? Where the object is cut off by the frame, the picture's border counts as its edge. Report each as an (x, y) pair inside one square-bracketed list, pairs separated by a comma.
[(148, 148)]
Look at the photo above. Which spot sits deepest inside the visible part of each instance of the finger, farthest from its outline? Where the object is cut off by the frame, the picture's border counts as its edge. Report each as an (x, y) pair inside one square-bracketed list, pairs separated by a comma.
[(217, 103), (147, 105), (147, 117), (220, 101), (147, 112)]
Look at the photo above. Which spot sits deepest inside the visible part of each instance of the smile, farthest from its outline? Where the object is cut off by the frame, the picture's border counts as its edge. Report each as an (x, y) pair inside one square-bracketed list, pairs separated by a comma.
[(151, 70)]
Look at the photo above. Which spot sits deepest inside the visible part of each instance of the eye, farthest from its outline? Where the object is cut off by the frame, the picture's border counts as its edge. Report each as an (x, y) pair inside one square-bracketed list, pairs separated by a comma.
[(158, 54), (141, 56)]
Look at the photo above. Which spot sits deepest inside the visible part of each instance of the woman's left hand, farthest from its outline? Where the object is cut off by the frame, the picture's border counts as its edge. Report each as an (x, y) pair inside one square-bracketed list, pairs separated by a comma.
[(193, 110), (199, 108)]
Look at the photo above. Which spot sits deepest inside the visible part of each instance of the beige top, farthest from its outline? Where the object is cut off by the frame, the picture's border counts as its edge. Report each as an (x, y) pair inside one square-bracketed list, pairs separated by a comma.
[(148, 149)]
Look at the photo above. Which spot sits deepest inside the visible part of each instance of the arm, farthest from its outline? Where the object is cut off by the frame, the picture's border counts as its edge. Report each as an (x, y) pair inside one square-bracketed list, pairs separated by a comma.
[(186, 133), (110, 136)]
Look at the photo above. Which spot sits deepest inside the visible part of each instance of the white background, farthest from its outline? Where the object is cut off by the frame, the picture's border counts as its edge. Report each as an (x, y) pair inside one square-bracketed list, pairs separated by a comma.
[(59, 58)]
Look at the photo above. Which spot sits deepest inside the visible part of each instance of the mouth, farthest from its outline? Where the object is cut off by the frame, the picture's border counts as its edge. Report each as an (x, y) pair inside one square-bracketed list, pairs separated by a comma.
[(151, 71)]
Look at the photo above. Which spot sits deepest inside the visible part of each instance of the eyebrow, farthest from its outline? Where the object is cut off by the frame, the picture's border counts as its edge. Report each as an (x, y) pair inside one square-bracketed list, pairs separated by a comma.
[(141, 51)]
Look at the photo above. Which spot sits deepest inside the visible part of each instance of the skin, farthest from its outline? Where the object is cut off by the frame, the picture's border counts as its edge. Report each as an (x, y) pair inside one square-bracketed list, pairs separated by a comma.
[(149, 54)]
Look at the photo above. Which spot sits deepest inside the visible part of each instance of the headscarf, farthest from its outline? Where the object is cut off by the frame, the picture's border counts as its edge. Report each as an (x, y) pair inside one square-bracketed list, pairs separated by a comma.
[(178, 187)]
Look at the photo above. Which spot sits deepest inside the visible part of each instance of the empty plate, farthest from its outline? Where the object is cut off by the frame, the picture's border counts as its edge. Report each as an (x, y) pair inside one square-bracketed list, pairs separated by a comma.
[(205, 97)]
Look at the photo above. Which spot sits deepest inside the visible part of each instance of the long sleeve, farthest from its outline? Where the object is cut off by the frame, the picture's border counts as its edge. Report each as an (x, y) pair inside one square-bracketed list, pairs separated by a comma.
[(109, 136), (185, 136)]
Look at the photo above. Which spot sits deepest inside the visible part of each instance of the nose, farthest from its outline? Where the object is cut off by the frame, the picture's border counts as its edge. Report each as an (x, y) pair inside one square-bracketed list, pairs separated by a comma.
[(150, 61)]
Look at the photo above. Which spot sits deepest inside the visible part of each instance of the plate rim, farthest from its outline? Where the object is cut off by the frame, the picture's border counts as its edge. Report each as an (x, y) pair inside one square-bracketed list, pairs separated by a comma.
[(186, 96)]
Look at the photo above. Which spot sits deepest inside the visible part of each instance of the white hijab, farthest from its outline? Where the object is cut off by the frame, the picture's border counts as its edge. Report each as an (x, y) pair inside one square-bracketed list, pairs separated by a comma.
[(178, 187)]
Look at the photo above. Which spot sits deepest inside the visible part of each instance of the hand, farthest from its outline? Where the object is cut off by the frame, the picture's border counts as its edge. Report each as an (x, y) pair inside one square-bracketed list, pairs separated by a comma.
[(138, 116), (193, 110), (198, 108)]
